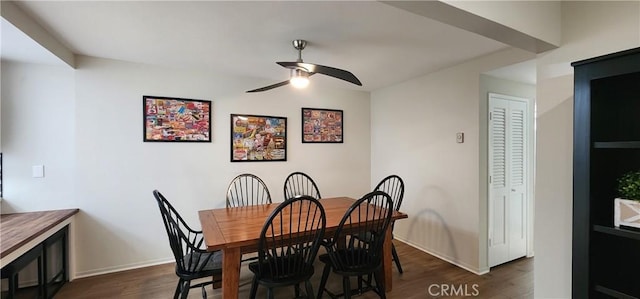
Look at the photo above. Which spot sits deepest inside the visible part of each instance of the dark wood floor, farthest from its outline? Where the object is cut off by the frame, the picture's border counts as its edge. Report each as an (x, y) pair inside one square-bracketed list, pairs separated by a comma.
[(424, 277)]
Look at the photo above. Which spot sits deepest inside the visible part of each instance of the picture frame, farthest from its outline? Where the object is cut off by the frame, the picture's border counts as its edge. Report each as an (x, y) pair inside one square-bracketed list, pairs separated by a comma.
[(258, 138), (322, 125), (167, 119)]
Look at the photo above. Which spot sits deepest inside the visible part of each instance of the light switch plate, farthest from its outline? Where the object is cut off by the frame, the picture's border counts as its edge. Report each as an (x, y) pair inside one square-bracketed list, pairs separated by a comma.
[(460, 137), (37, 171)]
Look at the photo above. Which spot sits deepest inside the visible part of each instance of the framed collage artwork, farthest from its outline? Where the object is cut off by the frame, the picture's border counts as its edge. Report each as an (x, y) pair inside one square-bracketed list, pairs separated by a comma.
[(322, 125), (176, 120), (258, 138)]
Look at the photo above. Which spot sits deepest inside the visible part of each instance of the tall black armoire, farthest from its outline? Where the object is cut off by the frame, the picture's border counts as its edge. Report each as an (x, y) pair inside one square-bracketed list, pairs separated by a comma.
[(606, 259)]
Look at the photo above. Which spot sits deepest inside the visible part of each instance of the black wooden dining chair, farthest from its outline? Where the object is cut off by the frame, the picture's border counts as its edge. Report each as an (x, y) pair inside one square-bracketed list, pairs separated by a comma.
[(192, 262), (288, 245), (394, 186), (299, 183), (247, 190), (370, 215)]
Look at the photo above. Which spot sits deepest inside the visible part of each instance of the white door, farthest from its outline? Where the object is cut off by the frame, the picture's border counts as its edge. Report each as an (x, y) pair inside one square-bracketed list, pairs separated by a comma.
[(507, 178)]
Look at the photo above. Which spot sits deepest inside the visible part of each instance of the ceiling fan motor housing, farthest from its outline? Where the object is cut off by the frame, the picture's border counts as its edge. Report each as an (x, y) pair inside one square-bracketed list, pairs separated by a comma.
[(299, 44)]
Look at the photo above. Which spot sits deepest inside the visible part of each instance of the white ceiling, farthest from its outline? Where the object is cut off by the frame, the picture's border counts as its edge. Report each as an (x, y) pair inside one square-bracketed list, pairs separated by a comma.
[(380, 44)]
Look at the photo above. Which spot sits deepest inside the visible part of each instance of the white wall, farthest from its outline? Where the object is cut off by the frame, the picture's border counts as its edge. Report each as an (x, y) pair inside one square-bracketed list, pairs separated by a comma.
[(38, 128), (589, 29), (413, 134), (119, 224)]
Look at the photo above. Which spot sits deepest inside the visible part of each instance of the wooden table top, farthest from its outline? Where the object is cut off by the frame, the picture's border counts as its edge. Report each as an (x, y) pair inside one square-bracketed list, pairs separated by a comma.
[(241, 226), (18, 229)]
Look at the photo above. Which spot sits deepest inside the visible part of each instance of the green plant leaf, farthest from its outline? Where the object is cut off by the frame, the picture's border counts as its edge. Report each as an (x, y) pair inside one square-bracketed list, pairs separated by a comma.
[(629, 185)]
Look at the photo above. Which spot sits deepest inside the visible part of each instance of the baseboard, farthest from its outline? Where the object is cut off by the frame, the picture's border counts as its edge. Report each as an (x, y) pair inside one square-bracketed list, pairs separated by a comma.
[(133, 266), (443, 257)]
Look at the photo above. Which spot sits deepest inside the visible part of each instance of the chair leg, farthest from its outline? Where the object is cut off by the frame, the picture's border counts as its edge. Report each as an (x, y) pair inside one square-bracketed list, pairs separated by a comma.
[(297, 290), (364, 285), (309, 289), (204, 293), (254, 288), (346, 287), (270, 293), (185, 289), (395, 258), (379, 284), (323, 281), (177, 292)]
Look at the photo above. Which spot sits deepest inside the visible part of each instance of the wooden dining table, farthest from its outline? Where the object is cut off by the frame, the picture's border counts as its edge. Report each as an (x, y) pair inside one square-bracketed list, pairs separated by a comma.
[(236, 231)]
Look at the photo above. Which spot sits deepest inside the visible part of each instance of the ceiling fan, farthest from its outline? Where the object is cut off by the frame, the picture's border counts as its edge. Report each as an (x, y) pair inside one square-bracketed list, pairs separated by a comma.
[(300, 71)]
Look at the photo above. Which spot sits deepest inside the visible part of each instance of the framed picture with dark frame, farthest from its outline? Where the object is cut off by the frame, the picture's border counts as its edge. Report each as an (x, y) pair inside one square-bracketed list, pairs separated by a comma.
[(322, 125), (257, 138), (176, 120)]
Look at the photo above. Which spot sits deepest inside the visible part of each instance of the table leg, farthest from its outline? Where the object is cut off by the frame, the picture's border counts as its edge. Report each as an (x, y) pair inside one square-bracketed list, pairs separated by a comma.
[(386, 261), (217, 281), (230, 272)]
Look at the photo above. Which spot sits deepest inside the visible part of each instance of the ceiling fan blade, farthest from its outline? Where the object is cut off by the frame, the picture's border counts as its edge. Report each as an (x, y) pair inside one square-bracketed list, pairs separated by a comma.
[(283, 83), (325, 70)]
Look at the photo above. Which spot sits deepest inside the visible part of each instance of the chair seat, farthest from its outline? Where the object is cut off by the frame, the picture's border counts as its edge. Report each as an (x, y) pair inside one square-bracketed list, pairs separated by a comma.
[(201, 264), (268, 276), (359, 262)]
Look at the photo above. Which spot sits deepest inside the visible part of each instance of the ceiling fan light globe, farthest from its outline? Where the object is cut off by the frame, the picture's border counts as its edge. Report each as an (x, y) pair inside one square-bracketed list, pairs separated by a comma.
[(299, 79), (299, 82)]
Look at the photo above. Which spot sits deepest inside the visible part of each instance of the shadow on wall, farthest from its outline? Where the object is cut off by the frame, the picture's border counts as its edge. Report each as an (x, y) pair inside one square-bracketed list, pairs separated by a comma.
[(429, 229), (553, 220)]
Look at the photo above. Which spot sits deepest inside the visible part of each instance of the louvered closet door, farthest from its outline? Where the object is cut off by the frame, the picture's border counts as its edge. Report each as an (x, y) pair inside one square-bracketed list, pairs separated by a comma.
[(507, 179)]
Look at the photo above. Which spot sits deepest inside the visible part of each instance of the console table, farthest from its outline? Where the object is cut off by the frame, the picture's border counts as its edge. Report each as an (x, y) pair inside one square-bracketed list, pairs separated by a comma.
[(32, 236)]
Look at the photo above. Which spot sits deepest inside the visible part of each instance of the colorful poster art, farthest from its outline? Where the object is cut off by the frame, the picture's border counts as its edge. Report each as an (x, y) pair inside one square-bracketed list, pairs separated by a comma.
[(322, 126), (258, 138), (176, 120)]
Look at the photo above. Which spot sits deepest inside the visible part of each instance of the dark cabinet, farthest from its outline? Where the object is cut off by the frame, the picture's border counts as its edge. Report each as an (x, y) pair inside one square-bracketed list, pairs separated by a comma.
[(606, 259)]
